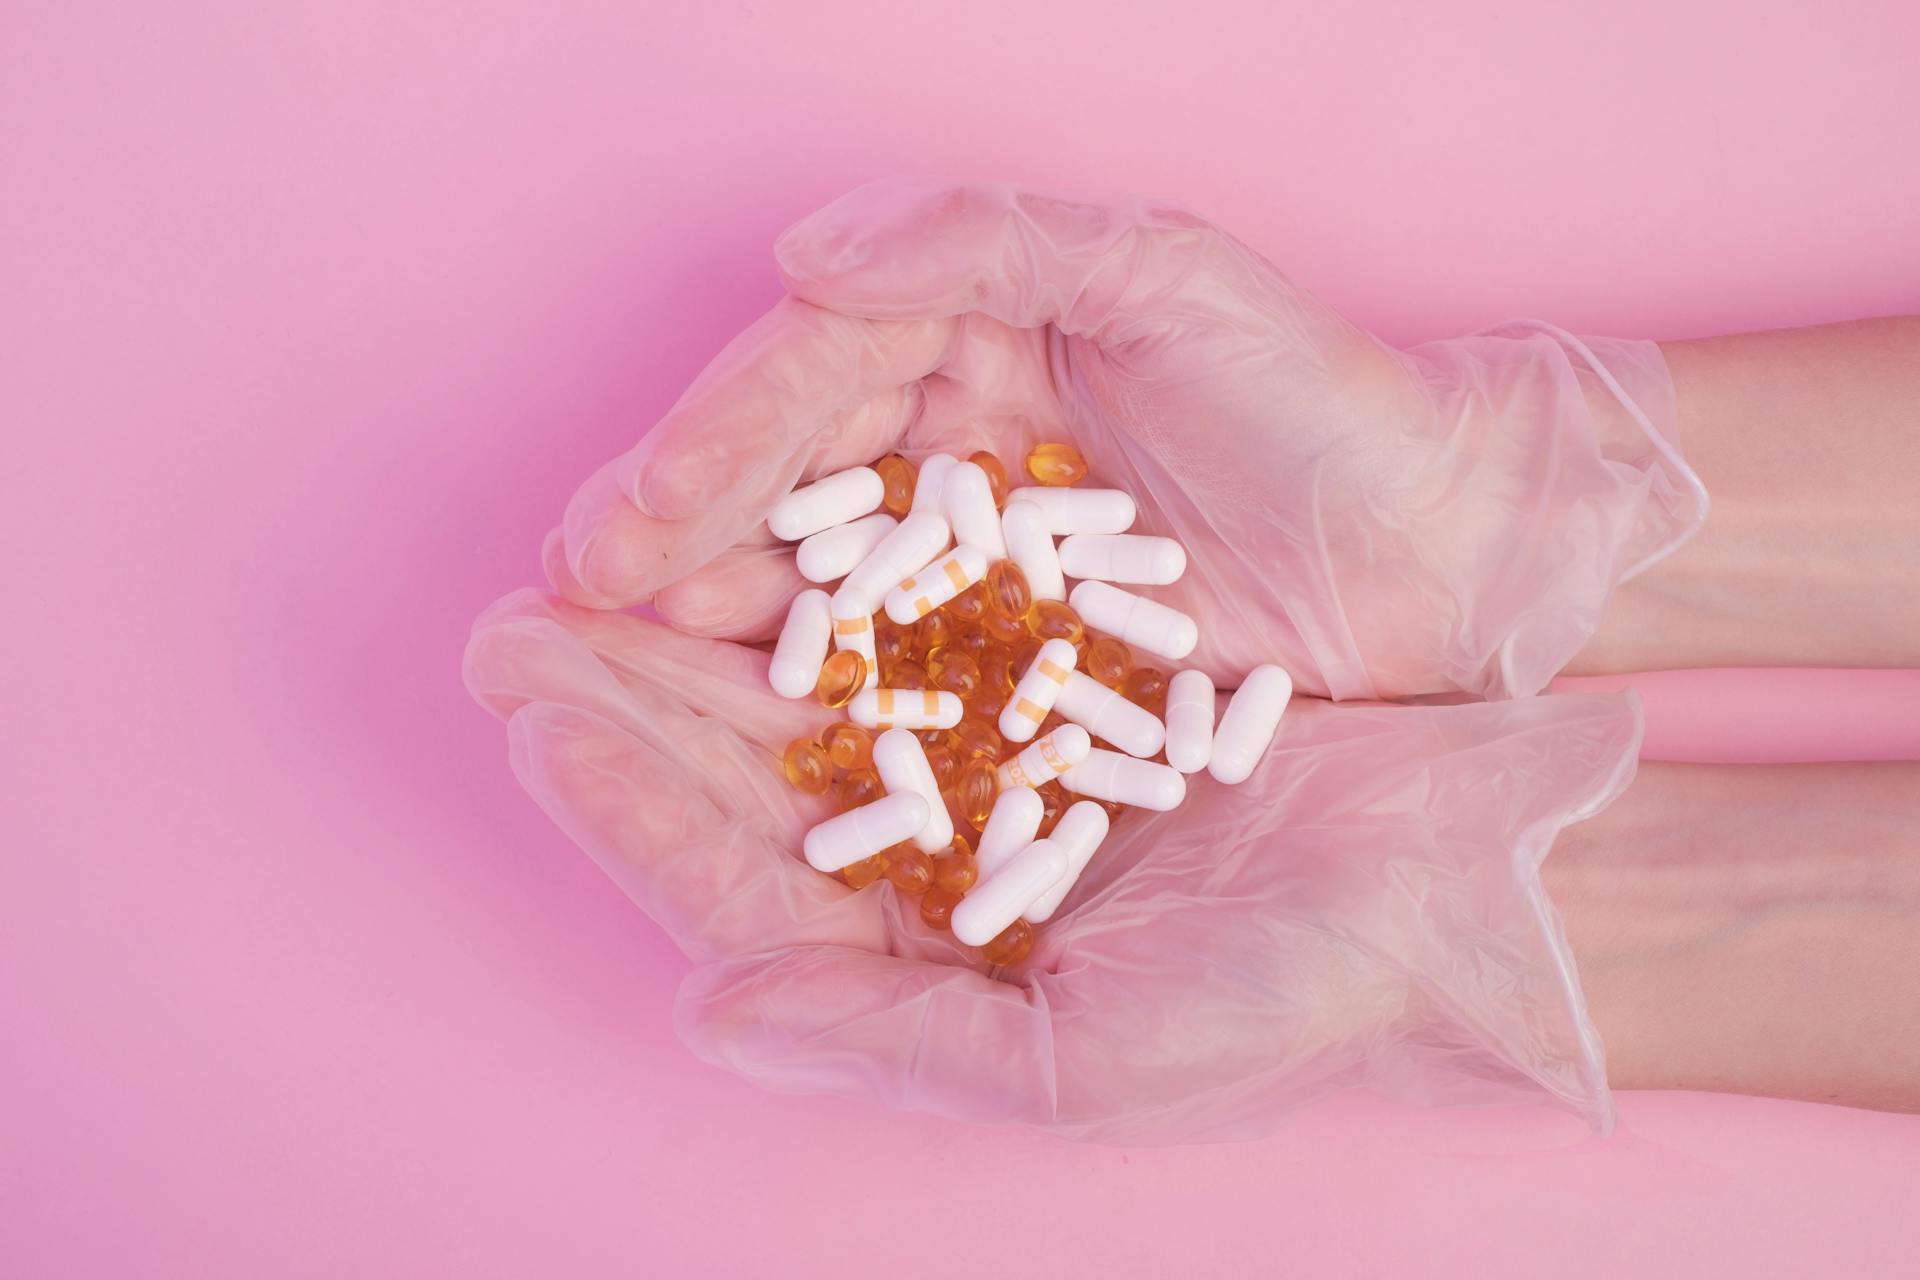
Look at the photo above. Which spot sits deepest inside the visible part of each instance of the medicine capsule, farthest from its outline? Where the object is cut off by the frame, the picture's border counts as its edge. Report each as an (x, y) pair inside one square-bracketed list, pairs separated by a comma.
[(1146, 687), (973, 791), (936, 584), (841, 676), (988, 701), (1190, 721), (861, 786), (936, 907), (1056, 463), (1247, 725), (831, 500), (889, 642), (1108, 775), (904, 770), (909, 870), (1047, 758), (1002, 629), (944, 762), (1123, 557), (848, 746), (1012, 826), (853, 632), (802, 648), (1030, 545), (974, 642), (915, 543), (930, 633), (904, 709), (1103, 713), (1010, 946), (1001, 898), (995, 472), (956, 671), (907, 674), (1037, 691), (1081, 829), (832, 553), (971, 510), (1056, 620), (1142, 623), (1107, 661), (929, 492), (859, 833), (859, 875), (898, 475), (807, 766), (975, 737), (1072, 511)]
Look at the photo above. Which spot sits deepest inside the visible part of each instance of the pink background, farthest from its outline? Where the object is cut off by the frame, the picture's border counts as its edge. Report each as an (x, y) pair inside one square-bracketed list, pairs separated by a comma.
[(310, 320)]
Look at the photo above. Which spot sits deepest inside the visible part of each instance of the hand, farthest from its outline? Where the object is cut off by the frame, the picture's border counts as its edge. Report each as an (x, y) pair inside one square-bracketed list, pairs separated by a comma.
[(1364, 910), (1381, 523)]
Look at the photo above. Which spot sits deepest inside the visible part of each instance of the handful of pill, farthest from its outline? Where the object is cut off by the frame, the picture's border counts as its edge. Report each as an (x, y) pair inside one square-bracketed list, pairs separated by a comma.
[(998, 723)]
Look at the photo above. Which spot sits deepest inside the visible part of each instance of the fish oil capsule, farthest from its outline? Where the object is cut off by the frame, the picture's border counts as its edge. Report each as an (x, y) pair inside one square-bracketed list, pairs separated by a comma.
[(1008, 594), (860, 786), (989, 702), (974, 642), (955, 871), (859, 833), (853, 632), (807, 766), (904, 709), (1081, 829), (973, 791), (944, 761), (975, 737), (995, 472), (802, 648), (930, 633), (956, 671), (1053, 802), (936, 907), (1037, 691), (1056, 463), (859, 875), (848, 746), (1074, 511), (936, 584), (889, 642), (1123, 557), (1047, 758), (915, 543), (1002, 629), (1108, 775), (909, 870), (1010, 946), (1190, 721), (1000, 899), (831, 500), (1107, 661), (1012, 826), (908, 674), (841, 676), (1247, 725), (931, 738), (970, 605), (1056, 620), (832, 553), (1030, 545), (1146, 687), (929, 491), (1103, 713), (1142, 623), (898, 475), (971, 511), (903, 767)]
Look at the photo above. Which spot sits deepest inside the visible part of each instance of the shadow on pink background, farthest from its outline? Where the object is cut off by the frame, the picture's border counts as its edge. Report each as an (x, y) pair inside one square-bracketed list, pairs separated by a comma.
[(309, 322)]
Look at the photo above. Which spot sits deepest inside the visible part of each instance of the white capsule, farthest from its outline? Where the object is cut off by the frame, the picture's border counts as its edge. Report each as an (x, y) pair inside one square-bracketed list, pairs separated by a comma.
[(936, 584), (1079, 832), (1247, 725), (1079, 510), (1123, 557), (1106, 714), (1108, 775), (911, 547), (1030, 545), (968, 501), (1038, 690), (1046, 759), (1189, 721), (853, 629), (930, 483), (902, 765), (832, 553), (828, 501), (1011, 827), (1142, 623), (802, 647), (998, 899), (904, 709), (864, 831)]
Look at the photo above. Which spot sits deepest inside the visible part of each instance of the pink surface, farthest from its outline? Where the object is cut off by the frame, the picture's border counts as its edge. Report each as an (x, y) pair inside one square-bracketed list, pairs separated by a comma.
[(310, 321)]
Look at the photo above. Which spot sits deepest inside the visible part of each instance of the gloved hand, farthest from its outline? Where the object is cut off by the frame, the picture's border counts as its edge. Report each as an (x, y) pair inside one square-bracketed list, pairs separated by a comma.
[(1363, 911), (1381, 523)]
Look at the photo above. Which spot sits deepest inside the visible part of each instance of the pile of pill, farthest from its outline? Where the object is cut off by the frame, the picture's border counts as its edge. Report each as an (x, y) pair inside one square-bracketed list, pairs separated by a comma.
[(977, 686)]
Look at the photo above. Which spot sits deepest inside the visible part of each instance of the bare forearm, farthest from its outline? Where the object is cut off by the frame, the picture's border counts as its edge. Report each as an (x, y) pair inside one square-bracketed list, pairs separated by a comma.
[(1754, 929), (1809, 442)]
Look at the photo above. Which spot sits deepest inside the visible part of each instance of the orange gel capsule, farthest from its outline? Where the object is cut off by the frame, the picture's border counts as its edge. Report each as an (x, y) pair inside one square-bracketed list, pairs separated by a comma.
[(974, 790), (1007, 591), (1106, 660), (955, 870), (1114, 809), (989, 702), (930, 633), (908, 674), (1053, 803), (970, 605), (996, 474), (889, 642), (862, 786), (1056, 620), (956, 672), (909, 870), (974, 642), (842, 675), (1010, 945), (807, 766), (976, 737), (945, 764), (849, 747), (936, 908), (864, 872), (1056, 463), (1001, 629), (1146, 686), (899, 477)]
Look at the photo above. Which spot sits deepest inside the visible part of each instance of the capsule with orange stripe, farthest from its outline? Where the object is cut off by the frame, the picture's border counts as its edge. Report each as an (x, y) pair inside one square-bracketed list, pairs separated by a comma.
[(853, 629), (1039, 686), (905, 709), (1046, 759), (936, 584)]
